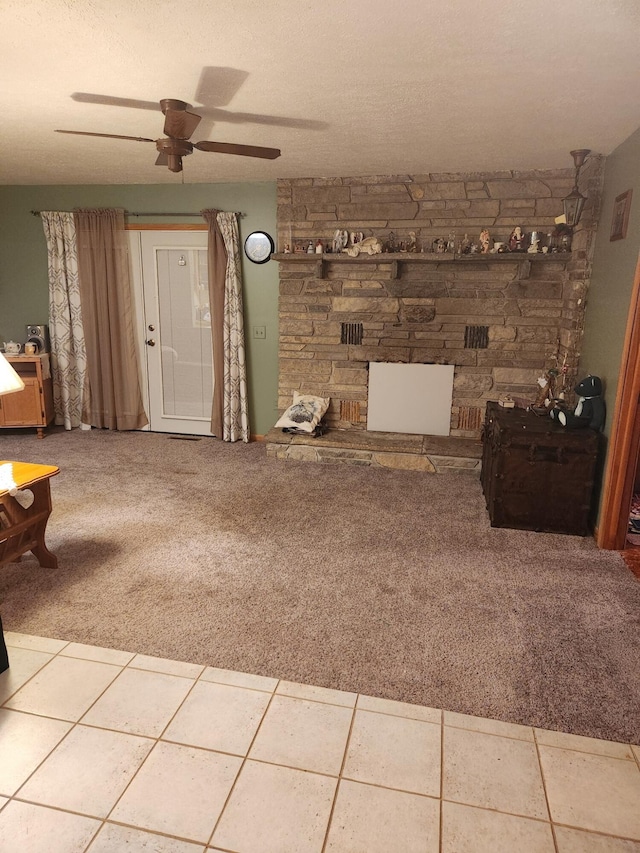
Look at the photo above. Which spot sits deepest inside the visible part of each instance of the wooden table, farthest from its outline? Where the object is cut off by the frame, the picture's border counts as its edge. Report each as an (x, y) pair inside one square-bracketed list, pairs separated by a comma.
[(23, 530), (4, 657)]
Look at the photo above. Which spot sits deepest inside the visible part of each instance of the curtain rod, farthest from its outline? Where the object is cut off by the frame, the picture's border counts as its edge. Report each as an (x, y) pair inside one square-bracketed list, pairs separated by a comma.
[(129, 213)]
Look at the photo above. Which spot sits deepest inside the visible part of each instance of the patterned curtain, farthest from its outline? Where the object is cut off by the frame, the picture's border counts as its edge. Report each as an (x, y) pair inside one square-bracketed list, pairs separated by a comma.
[(68, 356), (235, 409)]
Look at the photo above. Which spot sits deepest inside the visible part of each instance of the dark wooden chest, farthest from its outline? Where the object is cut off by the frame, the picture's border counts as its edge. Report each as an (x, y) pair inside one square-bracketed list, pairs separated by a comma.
[(537, 475)]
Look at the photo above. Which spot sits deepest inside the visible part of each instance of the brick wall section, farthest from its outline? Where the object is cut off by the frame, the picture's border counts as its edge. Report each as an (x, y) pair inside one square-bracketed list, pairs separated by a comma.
[(423, 315)]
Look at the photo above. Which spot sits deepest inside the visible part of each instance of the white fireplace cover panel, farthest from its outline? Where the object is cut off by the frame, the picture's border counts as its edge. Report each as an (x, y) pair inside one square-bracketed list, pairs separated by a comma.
[(413, 398)]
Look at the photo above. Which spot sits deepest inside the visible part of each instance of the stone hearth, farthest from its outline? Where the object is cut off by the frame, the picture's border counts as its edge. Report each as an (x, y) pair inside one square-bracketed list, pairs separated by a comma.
[(426, 453)]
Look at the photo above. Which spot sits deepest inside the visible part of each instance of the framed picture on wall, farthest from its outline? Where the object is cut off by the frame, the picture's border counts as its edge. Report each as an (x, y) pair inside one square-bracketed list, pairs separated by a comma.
[(620, 219)]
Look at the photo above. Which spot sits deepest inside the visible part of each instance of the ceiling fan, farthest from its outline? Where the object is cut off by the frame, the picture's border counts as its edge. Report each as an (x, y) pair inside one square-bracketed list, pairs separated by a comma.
[(179, 125)]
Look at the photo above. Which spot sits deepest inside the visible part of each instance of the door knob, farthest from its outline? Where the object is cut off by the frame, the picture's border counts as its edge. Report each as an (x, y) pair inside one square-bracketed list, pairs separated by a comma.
[(151, 342), (152, 328)]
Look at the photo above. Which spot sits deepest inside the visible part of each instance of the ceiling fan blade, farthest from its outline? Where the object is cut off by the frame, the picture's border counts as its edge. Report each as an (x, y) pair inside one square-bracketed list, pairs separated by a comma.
[(179, 124), (241, 150), (106, 135), (110, 101)]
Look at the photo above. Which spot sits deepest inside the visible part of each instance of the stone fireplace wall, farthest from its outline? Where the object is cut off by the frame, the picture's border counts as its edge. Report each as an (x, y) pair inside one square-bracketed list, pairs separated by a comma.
[(500, 319)]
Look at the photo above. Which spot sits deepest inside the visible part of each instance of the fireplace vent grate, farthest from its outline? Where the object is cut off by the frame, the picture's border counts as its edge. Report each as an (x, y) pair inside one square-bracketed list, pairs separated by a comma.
[(351, 333), (350, 411), (476, 337), (469, 418)]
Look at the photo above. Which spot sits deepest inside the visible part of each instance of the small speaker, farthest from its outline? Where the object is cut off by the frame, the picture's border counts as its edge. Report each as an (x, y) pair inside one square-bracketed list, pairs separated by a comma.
[(39, 335)]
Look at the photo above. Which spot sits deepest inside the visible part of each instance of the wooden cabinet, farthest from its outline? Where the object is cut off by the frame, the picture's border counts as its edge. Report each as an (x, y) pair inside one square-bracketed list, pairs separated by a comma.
[(32, 407), (537, 475)]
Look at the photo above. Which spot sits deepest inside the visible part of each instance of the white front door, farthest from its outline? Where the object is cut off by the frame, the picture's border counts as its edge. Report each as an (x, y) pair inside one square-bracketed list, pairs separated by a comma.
[(172, 301)]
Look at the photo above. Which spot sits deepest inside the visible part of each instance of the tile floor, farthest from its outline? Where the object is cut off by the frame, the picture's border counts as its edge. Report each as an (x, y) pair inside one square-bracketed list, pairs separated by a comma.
[(108, 751)]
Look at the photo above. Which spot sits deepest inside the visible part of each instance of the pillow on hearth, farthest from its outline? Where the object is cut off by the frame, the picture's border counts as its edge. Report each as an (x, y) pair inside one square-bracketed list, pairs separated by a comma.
[(305, 413)]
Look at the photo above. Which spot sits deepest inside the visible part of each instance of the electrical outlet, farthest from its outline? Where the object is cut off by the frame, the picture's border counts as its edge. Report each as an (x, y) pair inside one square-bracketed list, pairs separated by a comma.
[(260, 332)]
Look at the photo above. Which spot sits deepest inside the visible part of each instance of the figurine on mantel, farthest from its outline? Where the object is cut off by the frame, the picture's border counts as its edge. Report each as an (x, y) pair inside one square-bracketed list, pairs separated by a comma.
[(440, 245), (340, 240), (485, 242), (516, 240), (412, 243), (561, 236), (366, 246), (535, 242)]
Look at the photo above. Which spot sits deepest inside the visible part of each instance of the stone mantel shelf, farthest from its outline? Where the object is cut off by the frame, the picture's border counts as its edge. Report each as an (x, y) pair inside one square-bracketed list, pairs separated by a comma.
[(395, 259)]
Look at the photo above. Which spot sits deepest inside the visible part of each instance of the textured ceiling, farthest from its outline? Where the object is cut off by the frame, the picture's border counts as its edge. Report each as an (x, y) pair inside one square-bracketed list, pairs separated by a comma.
[(342, 88)]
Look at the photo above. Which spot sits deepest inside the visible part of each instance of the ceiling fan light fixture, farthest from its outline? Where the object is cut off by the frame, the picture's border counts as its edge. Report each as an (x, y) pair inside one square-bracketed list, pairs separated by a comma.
[(171, 153), (574, 203)]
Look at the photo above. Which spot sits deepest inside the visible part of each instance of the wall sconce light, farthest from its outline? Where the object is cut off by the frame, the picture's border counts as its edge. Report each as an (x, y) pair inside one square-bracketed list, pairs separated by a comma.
[(574, 203)]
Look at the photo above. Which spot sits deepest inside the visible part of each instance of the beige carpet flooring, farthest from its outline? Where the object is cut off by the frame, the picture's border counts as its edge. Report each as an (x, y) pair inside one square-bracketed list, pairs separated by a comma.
[(390, 583)]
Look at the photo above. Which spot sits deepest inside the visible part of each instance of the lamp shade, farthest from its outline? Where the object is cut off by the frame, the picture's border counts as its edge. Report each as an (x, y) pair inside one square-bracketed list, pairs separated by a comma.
[(9, 379)]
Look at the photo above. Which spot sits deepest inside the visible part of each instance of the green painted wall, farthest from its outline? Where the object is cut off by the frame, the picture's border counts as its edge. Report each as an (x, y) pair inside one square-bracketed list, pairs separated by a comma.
[(23, 260), (614, 265)]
